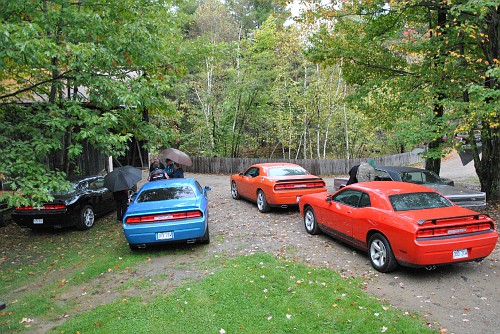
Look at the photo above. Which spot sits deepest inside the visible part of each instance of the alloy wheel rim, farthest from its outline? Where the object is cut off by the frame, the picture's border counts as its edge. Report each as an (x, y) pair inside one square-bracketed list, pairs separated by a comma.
[(259, 200), (309, 221), (378, 253), (88, 217)]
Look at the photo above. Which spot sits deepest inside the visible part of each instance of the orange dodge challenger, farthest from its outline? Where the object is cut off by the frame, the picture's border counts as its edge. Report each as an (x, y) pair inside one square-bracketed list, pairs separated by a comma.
[(400, 223), (278, 184)]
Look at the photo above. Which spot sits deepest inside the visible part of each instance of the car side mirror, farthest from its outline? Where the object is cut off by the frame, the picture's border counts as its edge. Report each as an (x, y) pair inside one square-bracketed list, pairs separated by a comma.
[(328, 199)]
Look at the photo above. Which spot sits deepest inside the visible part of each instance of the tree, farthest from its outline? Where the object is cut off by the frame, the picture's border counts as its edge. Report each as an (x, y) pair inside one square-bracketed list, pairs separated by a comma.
[(423, 70), (77, 72)]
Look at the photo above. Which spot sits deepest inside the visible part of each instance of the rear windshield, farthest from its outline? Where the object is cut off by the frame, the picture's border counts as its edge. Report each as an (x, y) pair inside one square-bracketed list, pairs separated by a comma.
[(282, 171), (418, 201), (165, 194)]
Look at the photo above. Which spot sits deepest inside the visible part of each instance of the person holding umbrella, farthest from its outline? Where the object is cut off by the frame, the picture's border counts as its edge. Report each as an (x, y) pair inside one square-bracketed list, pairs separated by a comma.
[(120, 181), (169, 168), (121, 201), (178, 171)]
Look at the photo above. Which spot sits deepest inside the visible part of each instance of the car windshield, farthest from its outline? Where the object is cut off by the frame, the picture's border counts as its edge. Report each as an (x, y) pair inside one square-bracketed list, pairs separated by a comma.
[(282, 171), (421, 177), (165, 194), (418, 201)]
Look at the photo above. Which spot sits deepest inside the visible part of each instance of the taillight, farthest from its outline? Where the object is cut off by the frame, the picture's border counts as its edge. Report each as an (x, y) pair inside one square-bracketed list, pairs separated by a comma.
[(291, 186), (45, 207), (453, 230), (163, 217)]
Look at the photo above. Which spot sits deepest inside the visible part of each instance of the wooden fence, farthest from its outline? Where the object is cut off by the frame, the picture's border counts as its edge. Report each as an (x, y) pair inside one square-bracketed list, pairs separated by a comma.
[(322, 167)]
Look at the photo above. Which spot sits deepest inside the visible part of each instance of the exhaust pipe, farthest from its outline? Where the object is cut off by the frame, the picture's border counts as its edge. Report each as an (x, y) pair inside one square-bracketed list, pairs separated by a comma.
[(479, 260), (141, 246), (429, 268), (191, 241)]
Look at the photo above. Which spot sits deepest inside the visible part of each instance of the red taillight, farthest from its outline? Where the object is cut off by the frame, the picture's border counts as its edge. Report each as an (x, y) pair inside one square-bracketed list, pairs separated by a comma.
[(291, 186), (45, 207), (453, 230), (163, 217)]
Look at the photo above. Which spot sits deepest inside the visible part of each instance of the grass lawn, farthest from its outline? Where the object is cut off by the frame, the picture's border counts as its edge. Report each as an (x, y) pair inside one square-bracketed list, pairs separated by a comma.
[(249, 294)]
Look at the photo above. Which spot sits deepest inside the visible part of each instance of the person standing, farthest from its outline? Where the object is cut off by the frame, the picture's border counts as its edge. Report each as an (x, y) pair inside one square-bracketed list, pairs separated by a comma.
[(366, 171), (121, 201), (178, 171), (169, 168), (352, 175), (156, 164)]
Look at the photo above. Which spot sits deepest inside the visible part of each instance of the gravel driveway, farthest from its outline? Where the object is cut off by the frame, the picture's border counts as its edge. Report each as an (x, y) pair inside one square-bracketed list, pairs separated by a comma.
[(462, 298)]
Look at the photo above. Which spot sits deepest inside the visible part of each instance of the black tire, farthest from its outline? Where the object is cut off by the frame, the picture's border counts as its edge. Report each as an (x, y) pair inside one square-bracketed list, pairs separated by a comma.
[(234, 191), (86, 219), (205, 239), (310, 222), (380, 253), (262, 204)]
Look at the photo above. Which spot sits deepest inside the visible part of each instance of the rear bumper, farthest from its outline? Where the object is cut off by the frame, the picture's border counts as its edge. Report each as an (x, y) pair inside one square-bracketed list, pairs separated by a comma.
[(138, 234), (435, 252), (285, 197), (41, 220)]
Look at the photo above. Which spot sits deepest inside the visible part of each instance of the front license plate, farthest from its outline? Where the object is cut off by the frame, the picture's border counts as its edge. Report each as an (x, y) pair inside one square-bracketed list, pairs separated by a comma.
[(460, 254), (164, 235), (37, 221)]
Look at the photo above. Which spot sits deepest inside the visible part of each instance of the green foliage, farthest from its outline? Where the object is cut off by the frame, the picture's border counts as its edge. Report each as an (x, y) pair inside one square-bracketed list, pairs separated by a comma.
[(77, 73)]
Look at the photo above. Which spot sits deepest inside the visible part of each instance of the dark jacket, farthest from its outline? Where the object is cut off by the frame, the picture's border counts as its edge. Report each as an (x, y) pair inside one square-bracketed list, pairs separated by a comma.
[(352, 175)]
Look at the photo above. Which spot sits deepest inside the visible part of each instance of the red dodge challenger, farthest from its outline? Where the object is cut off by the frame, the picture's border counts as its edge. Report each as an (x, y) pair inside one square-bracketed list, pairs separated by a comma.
[(400, 223), (277, 184)]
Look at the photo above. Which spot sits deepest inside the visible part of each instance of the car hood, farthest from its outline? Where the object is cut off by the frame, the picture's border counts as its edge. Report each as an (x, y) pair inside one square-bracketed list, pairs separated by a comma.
[(173, 205)]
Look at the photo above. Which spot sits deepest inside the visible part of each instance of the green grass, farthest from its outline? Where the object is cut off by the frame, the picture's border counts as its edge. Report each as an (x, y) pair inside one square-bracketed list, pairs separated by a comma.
[(249, 294), (253, 294)]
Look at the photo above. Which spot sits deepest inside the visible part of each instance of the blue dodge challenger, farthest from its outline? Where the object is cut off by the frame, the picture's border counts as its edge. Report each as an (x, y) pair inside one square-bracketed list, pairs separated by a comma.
[(167, 211)]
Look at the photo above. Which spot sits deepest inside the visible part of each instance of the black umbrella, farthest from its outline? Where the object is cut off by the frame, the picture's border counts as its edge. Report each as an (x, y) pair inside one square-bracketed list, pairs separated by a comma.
[(122, 178)]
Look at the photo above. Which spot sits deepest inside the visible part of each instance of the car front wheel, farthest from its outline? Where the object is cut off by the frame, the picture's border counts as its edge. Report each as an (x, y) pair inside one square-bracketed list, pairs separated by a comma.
[(381, 255), (262, 204), (234, 191), (310, 222), (86, 219)]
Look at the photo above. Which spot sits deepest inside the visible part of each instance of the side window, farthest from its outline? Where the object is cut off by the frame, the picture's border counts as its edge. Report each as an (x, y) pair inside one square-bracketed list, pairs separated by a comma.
[(382, 175), (349, 197), (365, 201), (252, 172)]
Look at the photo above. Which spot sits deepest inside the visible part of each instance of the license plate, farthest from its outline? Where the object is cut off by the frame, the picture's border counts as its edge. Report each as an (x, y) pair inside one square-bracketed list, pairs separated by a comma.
[(298, 197), (37, 221), (460, 254), (164, 235)]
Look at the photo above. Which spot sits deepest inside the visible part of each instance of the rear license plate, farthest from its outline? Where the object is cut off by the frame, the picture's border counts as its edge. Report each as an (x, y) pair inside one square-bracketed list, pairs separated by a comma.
[(164, 235), (460, 254), (37, 221)]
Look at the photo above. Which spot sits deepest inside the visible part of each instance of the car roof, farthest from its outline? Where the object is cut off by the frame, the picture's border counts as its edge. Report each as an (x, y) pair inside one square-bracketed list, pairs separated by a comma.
[(389, 187), (276, 164), (169, 183), (399, 169)]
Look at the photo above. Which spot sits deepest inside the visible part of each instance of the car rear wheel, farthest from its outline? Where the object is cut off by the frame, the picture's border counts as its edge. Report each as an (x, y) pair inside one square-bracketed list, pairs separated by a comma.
[(234, 191), (205, 239), (86, 219), (381, 255), (262, 204), (310, 222)]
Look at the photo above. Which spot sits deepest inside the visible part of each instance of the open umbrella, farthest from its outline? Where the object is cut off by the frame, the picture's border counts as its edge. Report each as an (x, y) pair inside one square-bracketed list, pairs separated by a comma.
[(177, 156), (122, 178)]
